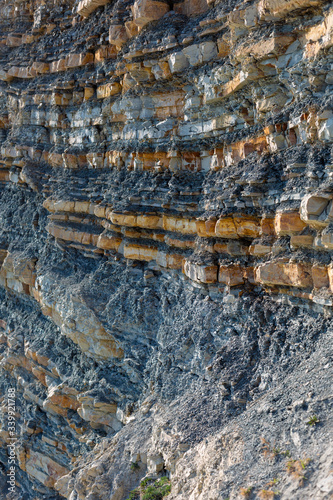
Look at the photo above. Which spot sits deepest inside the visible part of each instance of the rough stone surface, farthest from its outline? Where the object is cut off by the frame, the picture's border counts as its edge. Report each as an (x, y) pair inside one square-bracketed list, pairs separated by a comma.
[(166, 239)]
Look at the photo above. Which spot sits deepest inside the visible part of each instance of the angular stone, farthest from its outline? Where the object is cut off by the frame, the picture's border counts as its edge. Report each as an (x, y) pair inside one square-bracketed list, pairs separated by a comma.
[(118, 35), (206, 228), (312, 206), (86, 7), (223, 48), (108, 90), (327, 240), (191, 7), (301, 240), (231, 275), (123, 219), (275, 8), (283, 272), (44, 469), (288, 223), (274, 45), (77, 60), (178, 62), (145, 11), (149, 221), (108, 242), (57, 66), (138, 252), (330, 276), (170, 261), (226, 228), (180, 225), (247, 227), (200, 273), (320, 276)]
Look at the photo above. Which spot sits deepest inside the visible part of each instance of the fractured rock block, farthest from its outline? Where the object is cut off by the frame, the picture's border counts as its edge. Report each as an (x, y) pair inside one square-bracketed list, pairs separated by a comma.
[(108, 242), (108, 90), (44, 469), (123, 219), (283, 272), (325, 132), (200, 53), (320, 276), (206, 228), (145, 11), (200, 273), (313, 209), (118, 35), (57, 66), (170, 261), (178, 62), (138, 252), (274, 45), (179, 224), (86, 7), (231, 275), (77, 60), (248, 227), (20, 72), (226, 228), (327, 240), (288, 223), (191, 7), (269, 9)]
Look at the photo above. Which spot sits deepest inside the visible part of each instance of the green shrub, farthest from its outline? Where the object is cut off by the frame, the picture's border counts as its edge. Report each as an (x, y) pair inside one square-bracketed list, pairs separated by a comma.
[(134, 495), (155, 490)]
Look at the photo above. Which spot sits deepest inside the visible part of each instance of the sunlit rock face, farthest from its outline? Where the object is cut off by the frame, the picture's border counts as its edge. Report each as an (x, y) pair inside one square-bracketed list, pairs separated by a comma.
[(166, 239)]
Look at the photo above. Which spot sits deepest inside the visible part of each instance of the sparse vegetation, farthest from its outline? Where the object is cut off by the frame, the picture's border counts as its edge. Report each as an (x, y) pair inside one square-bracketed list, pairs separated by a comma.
[(296, 468), (267, 494), (266, 448), (151, 489), (157, 490), (313, 420), (246, 492), (271, 452), (134, 495), (135, 466), (272, 483)]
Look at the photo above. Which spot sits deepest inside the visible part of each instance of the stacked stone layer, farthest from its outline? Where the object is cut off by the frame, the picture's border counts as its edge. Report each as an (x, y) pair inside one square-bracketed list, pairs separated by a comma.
[(146, 143)]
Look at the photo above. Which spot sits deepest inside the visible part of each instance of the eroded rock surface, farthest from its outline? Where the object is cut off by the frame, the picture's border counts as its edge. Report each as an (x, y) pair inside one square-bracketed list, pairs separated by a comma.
[(166, 238)]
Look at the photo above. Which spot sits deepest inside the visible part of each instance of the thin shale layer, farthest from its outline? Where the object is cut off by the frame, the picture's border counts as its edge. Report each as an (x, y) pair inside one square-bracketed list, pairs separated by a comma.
[(166, 238)]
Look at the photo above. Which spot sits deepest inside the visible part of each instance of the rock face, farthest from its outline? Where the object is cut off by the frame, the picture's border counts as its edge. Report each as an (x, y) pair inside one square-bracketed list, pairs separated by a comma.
[(166, 239)]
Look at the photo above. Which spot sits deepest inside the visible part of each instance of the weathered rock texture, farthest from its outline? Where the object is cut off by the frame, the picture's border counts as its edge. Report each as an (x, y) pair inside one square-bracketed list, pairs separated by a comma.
[(166, 239)]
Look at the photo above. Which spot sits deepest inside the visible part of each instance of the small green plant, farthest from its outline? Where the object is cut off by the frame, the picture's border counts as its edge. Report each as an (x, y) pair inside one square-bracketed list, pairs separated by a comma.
[(134, 495), (272, 452), (304, 463), (246, 492), (134, 466), (313, 420), (296, 469), (151, 489), (272, 483), (144, 482)]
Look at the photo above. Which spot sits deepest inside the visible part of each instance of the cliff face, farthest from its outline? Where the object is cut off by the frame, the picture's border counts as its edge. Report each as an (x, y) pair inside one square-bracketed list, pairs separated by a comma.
[(166, 237)]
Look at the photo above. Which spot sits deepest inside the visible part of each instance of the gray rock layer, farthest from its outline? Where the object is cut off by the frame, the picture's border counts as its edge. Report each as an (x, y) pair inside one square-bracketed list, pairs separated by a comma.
[(166, 238)]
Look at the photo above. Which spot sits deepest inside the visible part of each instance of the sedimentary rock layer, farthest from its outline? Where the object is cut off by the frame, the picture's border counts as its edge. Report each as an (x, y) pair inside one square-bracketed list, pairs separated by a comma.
[(166, 244)]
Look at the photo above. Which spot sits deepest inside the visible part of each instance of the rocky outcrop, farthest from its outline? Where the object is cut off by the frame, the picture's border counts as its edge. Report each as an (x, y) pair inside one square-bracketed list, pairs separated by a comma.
[(166, 248)]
